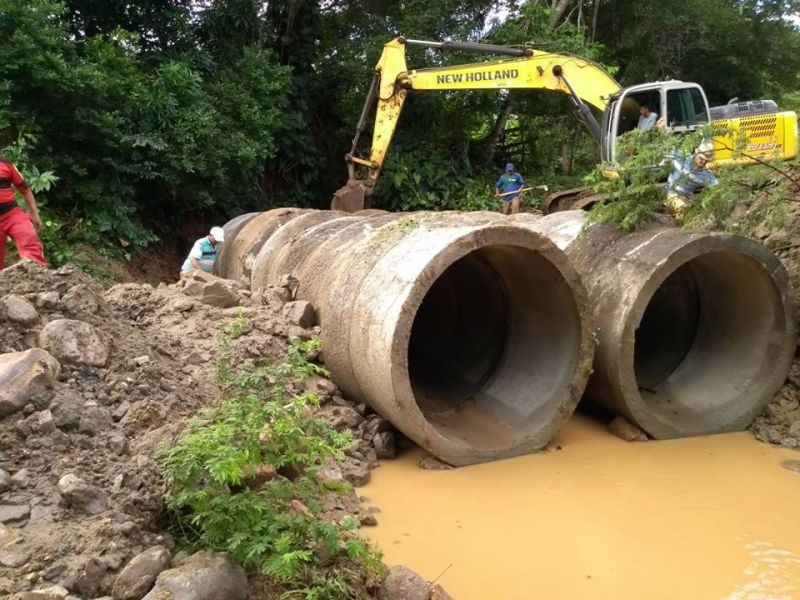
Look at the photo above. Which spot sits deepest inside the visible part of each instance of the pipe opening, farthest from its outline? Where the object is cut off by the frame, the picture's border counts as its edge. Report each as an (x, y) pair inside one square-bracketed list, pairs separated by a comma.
[(494, 346), (709, 342)]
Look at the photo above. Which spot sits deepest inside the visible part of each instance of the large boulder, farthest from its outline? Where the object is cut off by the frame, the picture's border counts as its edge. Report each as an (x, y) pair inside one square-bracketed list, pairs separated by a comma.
[(74, 342), (138, 576), (401, 583), (82, 496), (26, 377), (202, 576), (210, 289), (18, 310)]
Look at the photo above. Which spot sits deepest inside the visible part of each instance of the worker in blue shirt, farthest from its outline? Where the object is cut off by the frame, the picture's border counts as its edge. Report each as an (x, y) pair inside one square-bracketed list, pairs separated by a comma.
[(507, 187), (689, 175), (203, 254)]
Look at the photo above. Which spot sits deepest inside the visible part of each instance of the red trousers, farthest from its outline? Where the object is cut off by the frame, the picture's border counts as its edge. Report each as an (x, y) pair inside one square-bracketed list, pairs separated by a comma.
[(17, 224)]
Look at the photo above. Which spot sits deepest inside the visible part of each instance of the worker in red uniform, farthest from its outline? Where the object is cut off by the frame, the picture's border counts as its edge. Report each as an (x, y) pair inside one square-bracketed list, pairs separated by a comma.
[(15, 222)]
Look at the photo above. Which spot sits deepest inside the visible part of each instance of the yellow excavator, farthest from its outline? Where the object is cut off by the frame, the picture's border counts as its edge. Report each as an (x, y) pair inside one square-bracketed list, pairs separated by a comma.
[(770, 133)]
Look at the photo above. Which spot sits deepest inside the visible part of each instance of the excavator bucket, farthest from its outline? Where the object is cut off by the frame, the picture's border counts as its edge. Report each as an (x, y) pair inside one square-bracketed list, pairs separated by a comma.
[(351, 197)]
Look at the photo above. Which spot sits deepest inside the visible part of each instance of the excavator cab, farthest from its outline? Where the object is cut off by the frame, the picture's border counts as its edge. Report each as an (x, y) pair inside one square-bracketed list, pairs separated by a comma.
[(682, 105)]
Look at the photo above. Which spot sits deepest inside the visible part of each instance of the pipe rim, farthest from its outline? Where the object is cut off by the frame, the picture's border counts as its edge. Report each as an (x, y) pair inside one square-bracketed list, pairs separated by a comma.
[(562, 403), (773, 373)]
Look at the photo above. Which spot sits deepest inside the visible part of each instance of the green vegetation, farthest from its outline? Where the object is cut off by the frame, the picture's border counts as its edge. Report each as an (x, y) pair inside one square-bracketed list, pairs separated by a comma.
[(746, 197), (244, 480), (635, 194), (137, 118)]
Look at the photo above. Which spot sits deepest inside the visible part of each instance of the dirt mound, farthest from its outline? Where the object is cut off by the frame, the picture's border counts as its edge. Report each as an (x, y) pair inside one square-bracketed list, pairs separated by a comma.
[(772, 216), (81, 492)]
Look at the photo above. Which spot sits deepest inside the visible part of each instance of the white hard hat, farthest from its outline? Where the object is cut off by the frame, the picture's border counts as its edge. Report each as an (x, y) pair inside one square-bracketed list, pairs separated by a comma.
[(218, 233), (705, 149)]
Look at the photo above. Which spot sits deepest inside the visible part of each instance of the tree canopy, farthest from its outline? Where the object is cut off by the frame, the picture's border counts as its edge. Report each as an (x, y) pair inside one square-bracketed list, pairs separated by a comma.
[(137, 115)]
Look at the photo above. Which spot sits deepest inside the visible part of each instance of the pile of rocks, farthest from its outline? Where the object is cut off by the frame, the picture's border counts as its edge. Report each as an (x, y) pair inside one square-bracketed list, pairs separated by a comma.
[(92, 382)]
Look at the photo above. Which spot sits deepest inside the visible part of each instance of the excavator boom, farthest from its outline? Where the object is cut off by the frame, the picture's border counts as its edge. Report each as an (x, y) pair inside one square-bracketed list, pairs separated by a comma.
[(584, 81)]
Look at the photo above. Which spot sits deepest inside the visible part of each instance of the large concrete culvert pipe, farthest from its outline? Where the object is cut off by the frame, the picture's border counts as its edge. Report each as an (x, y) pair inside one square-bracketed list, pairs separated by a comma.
[(471, 336), (695, 331)]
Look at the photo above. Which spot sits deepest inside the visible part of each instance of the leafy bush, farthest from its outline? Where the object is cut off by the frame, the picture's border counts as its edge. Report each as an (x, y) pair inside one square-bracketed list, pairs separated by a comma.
[(633, 194), (274, 527)]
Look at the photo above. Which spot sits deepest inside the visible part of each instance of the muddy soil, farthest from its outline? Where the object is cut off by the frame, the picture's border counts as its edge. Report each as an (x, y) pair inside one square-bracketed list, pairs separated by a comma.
[(108, 422), (779, 230)]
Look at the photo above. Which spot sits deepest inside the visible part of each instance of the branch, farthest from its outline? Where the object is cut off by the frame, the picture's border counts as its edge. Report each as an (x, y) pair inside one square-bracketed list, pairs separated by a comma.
[(766, 164)]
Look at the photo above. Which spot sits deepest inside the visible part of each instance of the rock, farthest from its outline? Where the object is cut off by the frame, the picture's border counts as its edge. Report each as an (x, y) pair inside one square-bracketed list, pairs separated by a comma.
[(81, 496), (340, 417), (625, 430), (368, 520), (211, 290), (791, 465), (5, 481), (14, 514), (384, 445), (21, 478), (218, 294), (17, 309), (14, 560), (138, 576), (431, 463), (74, 342), (80, 299), (47, 300), (121, 410), (202, 576), (438, 593), (141, 361), (90, 580), (54, 592), (7, 535), (95, 419), (41, 423), (300, 313), (373, 426), (260, 476), (67, 410), (330, 473), (26, 377), (401, 583), (323, 387), (356, 473)]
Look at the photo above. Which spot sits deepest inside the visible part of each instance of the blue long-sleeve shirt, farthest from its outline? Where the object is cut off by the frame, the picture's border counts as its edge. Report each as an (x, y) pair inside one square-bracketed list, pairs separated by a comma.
[(510, 183), (685, 178)]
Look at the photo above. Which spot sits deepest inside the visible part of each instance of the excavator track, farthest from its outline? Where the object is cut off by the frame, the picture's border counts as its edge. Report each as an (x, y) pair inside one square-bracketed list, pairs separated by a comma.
[(581, 198)]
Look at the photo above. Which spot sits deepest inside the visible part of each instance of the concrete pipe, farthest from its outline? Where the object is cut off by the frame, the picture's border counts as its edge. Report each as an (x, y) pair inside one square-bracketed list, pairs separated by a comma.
[(471, 337), (231, 229), (242, 247), (696, 331)]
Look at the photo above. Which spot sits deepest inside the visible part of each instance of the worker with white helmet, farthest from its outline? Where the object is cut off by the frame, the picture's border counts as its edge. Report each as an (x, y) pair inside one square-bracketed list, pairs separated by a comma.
[(204, 252), (689, 175)]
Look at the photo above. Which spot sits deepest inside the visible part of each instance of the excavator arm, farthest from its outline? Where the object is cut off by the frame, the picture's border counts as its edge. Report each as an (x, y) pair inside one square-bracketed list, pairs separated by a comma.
[(583, 81)]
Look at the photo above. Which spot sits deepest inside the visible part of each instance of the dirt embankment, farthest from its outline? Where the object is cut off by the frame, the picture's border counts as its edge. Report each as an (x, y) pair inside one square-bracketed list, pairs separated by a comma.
[(771, 215), (80, 491)]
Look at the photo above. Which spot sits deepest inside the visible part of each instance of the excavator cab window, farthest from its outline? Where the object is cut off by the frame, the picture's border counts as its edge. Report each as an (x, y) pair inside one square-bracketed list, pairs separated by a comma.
[(686, 109), (629, 113)]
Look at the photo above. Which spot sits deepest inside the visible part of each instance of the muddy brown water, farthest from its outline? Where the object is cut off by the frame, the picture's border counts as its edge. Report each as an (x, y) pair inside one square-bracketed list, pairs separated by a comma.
[(709, 517)]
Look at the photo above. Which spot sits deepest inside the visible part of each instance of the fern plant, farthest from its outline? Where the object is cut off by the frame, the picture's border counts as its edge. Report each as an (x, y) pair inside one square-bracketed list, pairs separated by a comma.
[(213, 501)]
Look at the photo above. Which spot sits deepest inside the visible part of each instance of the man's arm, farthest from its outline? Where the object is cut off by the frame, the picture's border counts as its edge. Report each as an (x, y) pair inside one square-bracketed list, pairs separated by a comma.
[(25, 190), (31, 202), (195, 254)]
